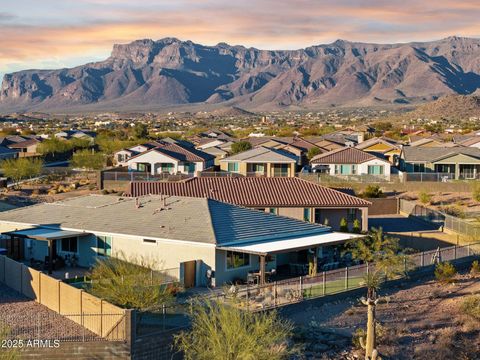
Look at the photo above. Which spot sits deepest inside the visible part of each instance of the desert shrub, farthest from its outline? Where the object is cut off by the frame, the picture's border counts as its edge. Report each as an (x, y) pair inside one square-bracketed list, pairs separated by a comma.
[(425, 198), (221, 332), (475, 269), (476, 193), (372, 191), (445, 272), (453, 210), (343, 225), (357, 227), (471, 306)]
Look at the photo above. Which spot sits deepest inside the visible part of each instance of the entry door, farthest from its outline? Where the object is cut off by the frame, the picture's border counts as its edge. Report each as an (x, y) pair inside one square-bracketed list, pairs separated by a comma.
[(189, 269)]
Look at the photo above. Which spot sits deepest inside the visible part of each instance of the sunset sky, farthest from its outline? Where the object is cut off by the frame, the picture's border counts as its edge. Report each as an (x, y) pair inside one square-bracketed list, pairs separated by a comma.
[(59, 33)]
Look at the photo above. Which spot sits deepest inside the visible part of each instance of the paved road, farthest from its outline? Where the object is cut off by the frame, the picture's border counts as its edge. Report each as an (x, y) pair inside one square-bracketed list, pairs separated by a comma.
[(399, 223)]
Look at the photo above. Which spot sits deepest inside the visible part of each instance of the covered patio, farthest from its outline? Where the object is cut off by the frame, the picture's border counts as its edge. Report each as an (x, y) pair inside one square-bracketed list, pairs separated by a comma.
[(264, 249), (22, 238)]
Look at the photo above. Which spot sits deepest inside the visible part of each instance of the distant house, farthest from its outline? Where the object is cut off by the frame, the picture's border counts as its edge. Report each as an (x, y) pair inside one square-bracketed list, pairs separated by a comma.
[(351, 162), (121, 157), (381, 147), (24, 145), (171, 159), (76, 134), (193, 237), (285, 196), (428, 142), (454, 162), (261, 161), (473, 141)]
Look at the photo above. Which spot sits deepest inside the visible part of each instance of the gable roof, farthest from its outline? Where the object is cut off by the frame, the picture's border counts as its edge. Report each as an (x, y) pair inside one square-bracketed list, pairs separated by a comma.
[(198, 220), (263, 154), (178, 152), (415, 154), (378, 140), (349, 155), (252, 191)]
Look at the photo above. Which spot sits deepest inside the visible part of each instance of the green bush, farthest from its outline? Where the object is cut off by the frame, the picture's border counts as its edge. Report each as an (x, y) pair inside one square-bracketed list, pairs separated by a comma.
[(424, 198), (475, 269), (343, 225), (471, 306), (357, 227), (445, 272), (240, 146), (372, 191)]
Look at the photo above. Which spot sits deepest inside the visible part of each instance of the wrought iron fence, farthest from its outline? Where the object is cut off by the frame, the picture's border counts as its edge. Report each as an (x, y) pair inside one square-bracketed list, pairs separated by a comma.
[(279, 293), (142, 176), (449, 222), (51, 326)]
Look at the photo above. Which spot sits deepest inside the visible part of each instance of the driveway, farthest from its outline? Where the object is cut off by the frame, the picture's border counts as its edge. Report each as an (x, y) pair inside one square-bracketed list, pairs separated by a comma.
[(399, 224)]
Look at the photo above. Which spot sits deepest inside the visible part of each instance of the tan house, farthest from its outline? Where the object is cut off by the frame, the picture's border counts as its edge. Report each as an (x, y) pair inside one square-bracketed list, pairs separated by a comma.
[(286, 196), (382, 147), (455, 163), (261, 161)]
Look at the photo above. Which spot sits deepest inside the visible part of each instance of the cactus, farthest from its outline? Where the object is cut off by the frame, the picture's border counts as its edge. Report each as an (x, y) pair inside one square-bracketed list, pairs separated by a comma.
[(370, 345)]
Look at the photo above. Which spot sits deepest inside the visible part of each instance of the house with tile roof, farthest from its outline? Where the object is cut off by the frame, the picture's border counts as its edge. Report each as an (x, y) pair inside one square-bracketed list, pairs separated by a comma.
[(196, 236), (171, 158), (351, 162), (286, 196), (382, 147), (452, 162), (261, 162)]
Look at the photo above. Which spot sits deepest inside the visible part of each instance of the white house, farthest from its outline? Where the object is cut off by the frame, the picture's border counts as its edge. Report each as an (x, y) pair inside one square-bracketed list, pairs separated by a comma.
[(171, 159), (350, 161)]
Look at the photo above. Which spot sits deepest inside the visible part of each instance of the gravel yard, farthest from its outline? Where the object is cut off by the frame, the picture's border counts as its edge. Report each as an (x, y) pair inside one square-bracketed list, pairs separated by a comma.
[(27, 319), (420, 320)]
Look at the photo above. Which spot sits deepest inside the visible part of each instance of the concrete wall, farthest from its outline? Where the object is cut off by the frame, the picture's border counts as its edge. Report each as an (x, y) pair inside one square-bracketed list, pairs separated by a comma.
[(63, 298), (80, 351), (383, 206)]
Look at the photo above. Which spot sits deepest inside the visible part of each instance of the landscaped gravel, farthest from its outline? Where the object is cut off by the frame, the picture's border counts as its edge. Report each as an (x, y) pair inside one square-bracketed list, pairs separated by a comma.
[(27, 319)]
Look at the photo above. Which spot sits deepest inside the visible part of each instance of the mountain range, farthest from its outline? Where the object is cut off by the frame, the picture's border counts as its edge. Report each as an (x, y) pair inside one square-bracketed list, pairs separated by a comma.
[(169, 73)]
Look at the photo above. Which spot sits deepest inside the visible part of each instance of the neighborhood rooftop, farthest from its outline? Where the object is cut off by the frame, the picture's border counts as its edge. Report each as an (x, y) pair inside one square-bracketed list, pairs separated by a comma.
[(263, 154), (347, 155), (421, 154), (252, 191), (199, 220)]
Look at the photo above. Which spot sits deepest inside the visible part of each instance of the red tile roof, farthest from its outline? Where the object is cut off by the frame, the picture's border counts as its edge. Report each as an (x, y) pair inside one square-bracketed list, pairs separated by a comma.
[(347, 155), (252, 192), (180, 153)]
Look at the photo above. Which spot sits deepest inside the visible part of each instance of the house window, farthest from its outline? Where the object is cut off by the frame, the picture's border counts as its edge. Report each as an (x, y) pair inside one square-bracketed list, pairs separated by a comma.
[(419, 168), (237, 260), (233, 166), (280, 170), (69, 245), (273, 211), (375, 169), (306, 214), (189, 167), (121, 157), (166, 167), (258, 168), (104, 245), (351, 215)]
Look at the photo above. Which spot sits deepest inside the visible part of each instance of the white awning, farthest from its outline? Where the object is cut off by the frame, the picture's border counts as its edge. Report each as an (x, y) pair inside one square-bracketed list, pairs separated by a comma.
[(286, 245), (45, 234)]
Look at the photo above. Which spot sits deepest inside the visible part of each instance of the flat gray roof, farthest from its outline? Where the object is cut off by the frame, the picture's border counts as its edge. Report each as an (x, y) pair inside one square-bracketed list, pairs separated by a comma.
[(199, 220)]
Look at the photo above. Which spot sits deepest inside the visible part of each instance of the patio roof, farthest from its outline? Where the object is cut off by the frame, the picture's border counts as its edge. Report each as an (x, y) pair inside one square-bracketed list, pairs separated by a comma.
[(45, 234), (286, 245)]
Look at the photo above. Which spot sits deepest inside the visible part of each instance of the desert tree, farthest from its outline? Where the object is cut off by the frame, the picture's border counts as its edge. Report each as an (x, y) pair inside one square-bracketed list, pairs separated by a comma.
[(22, 168), (384, 260), (240, 146), (225, 332), (312, 152), (88, 160)]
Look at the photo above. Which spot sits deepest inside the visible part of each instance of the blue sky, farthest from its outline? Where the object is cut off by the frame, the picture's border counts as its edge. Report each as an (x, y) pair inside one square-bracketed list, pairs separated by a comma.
[(64, 33)]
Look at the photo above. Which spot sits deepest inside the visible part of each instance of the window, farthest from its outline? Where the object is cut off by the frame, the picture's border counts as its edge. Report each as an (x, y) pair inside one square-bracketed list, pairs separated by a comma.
[(237, 260), (258, 168), (375, 169), (104, 245), (166, 167), (280, 170), (233, 166), (346, 169), (189, 167), (419, 168), (306, 214), (273, 211), (69, 245), (122, 157)]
